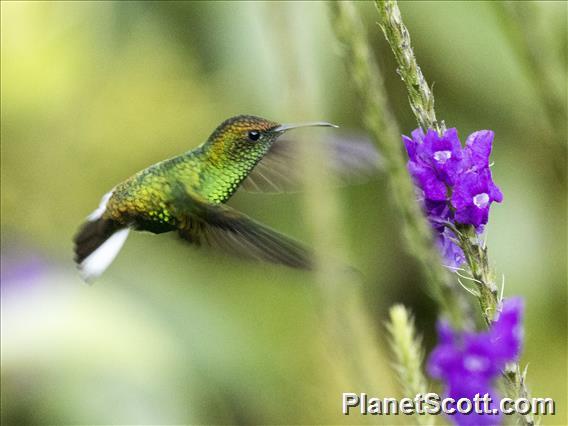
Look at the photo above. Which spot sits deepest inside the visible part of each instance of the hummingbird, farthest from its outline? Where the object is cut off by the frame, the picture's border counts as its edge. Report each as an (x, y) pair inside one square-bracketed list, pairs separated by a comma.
[(187, 194)]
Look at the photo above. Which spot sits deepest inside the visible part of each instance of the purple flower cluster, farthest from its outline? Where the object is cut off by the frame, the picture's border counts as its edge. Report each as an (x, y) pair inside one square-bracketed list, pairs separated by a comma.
[(455, 181), (468, 363)]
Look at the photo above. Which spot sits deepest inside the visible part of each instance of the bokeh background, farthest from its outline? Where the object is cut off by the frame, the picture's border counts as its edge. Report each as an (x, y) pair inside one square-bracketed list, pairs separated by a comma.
[(94, 91)]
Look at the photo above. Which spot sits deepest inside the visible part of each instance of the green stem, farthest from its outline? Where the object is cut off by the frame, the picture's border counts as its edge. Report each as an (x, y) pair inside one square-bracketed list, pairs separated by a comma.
[(419, 93), (407, 348), (347, 327), (381, 124), (422, 103), (483, 276)]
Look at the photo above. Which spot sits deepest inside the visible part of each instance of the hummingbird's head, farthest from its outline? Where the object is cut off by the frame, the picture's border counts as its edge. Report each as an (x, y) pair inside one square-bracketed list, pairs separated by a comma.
[(247, 137)]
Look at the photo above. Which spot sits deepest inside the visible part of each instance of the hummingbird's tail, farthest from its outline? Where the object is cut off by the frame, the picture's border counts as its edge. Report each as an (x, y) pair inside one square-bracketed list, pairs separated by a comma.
[(97, 243)]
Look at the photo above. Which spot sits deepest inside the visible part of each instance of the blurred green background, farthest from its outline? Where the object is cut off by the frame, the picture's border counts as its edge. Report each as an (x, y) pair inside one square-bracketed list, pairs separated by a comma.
[(95, 91)]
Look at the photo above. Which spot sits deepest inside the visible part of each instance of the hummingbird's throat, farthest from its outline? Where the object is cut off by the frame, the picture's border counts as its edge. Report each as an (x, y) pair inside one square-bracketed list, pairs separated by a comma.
[(221, 175)]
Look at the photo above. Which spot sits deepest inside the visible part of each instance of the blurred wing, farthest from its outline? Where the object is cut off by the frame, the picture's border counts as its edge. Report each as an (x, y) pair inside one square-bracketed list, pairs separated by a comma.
[(350, 161), (224, 228)]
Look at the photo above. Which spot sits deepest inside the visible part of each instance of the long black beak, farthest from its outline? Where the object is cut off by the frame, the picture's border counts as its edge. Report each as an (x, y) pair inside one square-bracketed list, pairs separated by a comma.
[(285, 127)]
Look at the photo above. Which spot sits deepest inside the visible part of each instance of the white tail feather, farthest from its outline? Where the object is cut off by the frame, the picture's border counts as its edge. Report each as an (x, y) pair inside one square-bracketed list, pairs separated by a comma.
[(101, 209), (99, 260)]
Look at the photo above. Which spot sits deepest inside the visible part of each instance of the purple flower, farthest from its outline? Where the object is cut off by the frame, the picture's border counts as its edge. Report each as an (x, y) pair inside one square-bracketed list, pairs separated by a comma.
[(472, 196), (21, 268), (434, 161), (477, 150), (455, 183), (442, 154), (450, 251), (425, 178), (507, 331), (411, 143), (468, 363), (438, 212)]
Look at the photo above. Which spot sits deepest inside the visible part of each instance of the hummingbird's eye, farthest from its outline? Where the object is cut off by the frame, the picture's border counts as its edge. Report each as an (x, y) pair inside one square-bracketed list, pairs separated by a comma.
[(254, 135)]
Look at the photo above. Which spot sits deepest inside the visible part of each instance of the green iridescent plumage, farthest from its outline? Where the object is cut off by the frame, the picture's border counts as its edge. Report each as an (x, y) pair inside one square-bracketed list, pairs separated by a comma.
[(212, 171), (229, 155), (187, 194)]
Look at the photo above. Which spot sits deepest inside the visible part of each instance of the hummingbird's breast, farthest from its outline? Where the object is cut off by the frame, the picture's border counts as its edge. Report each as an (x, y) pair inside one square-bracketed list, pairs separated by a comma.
[(143, 200)]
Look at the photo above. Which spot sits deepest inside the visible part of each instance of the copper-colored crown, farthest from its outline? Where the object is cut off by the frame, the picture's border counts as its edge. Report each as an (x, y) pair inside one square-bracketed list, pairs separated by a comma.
[(242, 123)]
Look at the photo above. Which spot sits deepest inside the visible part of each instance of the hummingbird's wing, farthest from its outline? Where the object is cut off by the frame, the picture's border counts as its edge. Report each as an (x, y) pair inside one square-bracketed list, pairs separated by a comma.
[(350, 161), (225, 228)]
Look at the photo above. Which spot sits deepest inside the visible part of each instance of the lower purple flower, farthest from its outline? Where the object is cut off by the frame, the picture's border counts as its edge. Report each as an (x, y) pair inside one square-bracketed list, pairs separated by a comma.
[(469, 363)]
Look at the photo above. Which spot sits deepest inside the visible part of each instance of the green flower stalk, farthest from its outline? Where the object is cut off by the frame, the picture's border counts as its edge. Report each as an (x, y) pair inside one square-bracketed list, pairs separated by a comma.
[(381, 124), (422, 103), (409, 355), (419, 93), (345, 323)]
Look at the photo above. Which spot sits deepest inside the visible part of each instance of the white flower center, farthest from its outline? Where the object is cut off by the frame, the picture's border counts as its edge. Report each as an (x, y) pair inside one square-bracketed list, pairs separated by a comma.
[(442, 156), (481, 200), (518, 332), (475, 363)]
